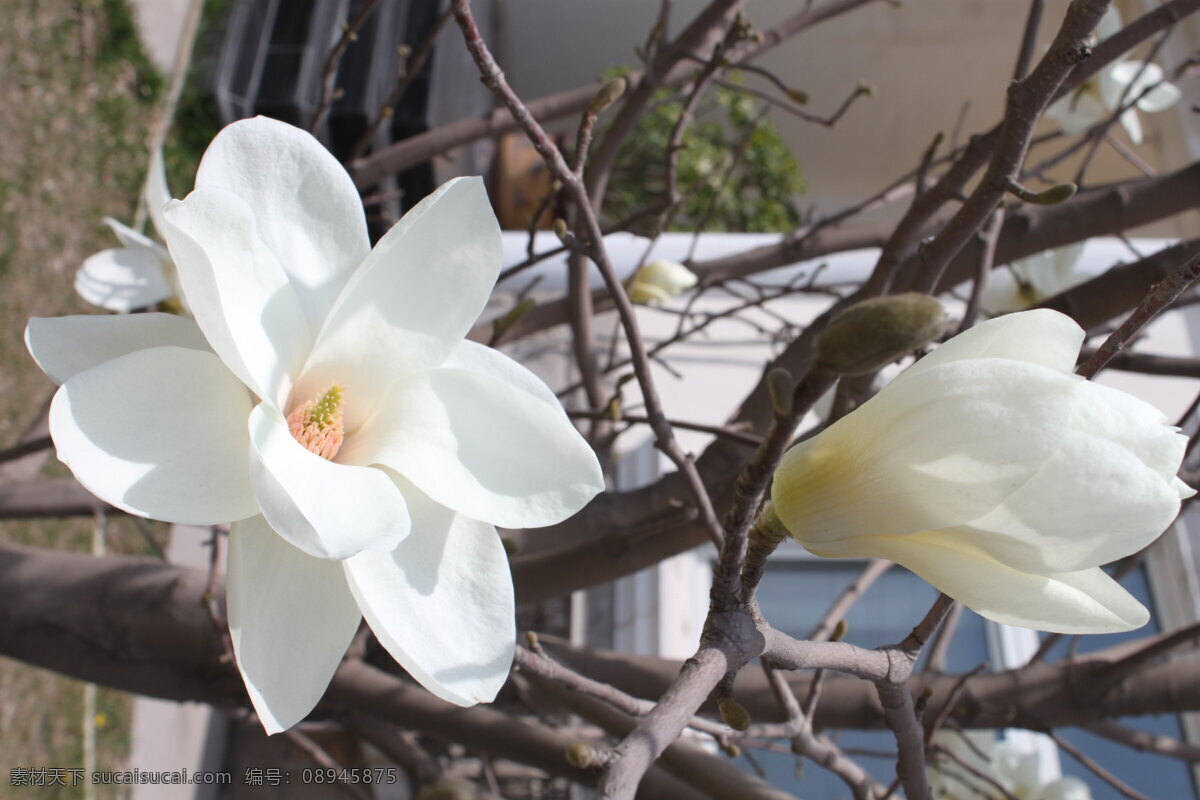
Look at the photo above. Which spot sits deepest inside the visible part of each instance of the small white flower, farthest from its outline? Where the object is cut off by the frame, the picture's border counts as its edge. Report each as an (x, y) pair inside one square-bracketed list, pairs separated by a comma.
[(1028, 281), (1101, 95), (659, 281), (140, 273), (1017, 771), (993, 472), (325, 402)]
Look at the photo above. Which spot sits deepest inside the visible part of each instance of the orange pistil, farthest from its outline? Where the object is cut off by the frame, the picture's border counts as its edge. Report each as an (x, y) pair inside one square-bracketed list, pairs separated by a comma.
[(317, 424)]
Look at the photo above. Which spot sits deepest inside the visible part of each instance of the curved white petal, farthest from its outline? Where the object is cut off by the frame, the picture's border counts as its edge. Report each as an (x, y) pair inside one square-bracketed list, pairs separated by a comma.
[(159, 433), (1132, 125), (442, 603), (1067, 788), (1087, 601), (1137, 75), (413, 299), (1078, 111), (1109, 23), (309, 213), (1002, 294), (1040, 336), (238, 292), (1062, 274), (659, 281), (128, 237), (291, 618), (156, 192), (326, 509), (1091, 503), (475, 357), (123, 279), (481, 447), (1159, 98), (940, 449), (65, 346)]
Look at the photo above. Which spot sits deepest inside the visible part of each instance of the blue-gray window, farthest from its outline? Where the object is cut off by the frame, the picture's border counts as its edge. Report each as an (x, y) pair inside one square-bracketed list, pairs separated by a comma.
[(795, 594)]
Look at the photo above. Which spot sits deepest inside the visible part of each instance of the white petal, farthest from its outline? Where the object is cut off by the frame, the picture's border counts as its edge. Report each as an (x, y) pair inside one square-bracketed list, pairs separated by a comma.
[(1109, 24), (1040, 336), (328, 510), (156, 192), (1091, 503), (160, 433), (481, 447), (1137, 75), (1159, 98), (1077, 112), (131, 238), (65, 346), (237, 291), (291, 618), (124, 279), (413, 299), (442, 603), (659, 281), (1073, 602), (1002, 294), (938, 450), (1067, 788), (475, 357), (1132, 125), (309, 213), (1063, 261)]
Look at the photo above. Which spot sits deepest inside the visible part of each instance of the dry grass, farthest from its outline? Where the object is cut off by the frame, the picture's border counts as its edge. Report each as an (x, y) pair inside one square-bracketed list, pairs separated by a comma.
[(77, 100)]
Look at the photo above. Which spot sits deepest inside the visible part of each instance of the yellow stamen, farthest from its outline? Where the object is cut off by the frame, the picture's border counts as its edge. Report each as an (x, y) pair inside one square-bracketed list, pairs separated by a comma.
[(317, 424)]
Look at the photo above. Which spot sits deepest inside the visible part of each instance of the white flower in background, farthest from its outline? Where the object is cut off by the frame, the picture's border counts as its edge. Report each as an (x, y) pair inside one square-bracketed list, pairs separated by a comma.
[(1101, 95), (1028, 281), (325, 402), (140, 273), (993, 472), (1017, 771), (659, 281)]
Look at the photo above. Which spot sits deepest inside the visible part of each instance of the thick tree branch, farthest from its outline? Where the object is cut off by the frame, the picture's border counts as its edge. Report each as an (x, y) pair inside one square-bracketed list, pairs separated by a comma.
[(139, 625)]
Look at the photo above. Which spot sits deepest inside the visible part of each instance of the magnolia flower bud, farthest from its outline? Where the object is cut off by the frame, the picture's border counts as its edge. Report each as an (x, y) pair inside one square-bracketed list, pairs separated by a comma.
[(996, 474), (609, 93), (876, 332), (734, 714), (581, 755), (659, 281)]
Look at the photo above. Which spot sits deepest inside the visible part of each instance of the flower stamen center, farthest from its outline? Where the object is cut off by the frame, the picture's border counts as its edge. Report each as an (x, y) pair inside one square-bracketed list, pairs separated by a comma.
[(317, 424)]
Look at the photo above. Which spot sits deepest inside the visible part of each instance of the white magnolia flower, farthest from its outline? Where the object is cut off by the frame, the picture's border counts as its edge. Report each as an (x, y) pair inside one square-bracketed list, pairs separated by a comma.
[(324, 400), (659, 281), (997, 475), (1017, 771), (1028, 281), (140, 272), (1101, 95)]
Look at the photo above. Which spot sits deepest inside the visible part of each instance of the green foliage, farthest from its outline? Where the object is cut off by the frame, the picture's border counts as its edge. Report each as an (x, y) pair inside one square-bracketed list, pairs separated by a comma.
[(197, 118), (121, 50), (734, 170)]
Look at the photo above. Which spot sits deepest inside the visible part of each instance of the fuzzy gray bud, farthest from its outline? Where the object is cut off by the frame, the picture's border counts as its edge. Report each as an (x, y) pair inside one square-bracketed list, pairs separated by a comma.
[(876, 332)]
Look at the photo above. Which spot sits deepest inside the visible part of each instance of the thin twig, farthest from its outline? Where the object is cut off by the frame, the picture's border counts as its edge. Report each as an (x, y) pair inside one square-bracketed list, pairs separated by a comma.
[(1160, 297), (589, 226), (322, 759), (412, 68), (741, 437), (26, 448), (1095, 767), (329, 71)]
